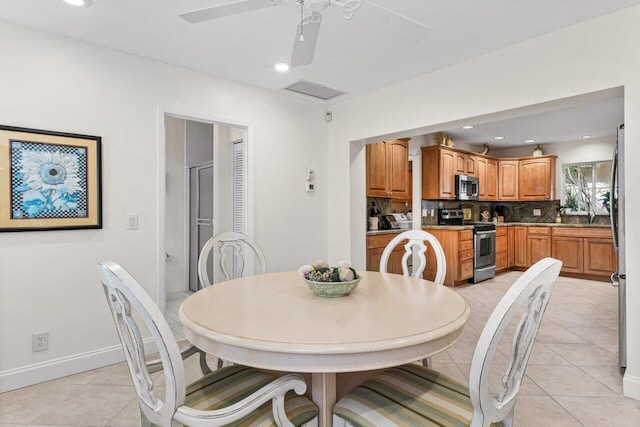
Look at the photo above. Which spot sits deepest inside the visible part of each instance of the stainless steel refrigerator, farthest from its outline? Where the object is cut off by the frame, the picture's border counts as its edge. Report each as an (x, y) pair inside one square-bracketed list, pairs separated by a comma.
[(619, 278)]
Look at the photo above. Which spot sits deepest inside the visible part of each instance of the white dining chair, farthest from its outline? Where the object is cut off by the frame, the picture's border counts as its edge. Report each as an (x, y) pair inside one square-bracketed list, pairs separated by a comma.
[(416, 238), (235, 394), (230, 255), (414, 395)]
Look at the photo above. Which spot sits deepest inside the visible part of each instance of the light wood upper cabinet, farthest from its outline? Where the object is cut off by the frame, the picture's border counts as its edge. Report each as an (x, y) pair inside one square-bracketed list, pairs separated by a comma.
[(487, 172), (527, 178), (388, 169), (537, 178), (438, 173), (465, 164), (508, 179)]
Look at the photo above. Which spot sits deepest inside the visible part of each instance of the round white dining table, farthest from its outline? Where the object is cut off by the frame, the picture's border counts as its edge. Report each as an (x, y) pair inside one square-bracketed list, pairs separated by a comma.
[(275, 322)]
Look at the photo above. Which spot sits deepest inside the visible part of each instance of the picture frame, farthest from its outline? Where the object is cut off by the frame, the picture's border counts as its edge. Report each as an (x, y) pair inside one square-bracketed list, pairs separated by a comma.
[(49, 180)]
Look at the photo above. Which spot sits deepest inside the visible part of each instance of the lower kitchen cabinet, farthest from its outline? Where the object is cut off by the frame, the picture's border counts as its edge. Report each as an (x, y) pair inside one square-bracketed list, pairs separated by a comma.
[(458, 250), (587, 251), (375, 247), (520, 246), (502, 248), (538, 244)]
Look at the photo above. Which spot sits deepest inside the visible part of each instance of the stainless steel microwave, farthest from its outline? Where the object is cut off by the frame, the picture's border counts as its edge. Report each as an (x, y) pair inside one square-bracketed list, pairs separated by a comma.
[(467, 187)]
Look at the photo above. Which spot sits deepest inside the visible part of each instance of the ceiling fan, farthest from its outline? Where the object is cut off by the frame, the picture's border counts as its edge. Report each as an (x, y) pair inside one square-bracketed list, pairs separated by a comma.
[(310, 19)]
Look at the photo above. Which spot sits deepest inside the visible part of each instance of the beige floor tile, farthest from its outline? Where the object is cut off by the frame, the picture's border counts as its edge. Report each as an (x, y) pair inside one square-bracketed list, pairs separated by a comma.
[(541, 411), (27, 404), (602, 411), (527, 387), (551, 333), (93, 405), (584, 354), (611, 376), (451, 370), (566, 381), (596, 335), (128, 417), (117, 374)]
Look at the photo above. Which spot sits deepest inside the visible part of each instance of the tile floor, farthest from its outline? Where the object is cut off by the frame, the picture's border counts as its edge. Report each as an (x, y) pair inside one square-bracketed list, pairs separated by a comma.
[(572, 378)]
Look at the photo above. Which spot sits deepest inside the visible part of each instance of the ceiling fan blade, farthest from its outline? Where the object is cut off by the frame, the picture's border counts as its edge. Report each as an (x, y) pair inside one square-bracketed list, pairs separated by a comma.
[(303, 50), (399, 15), (216, 12)]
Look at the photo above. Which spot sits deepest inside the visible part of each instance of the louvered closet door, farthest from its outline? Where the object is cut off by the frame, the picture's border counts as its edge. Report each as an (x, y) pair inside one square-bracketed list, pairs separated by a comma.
[(239, 197)]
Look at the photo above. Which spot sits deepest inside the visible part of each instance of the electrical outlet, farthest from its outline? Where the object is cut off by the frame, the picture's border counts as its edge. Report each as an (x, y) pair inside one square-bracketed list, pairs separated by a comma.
[(537, 212), (40, 341)]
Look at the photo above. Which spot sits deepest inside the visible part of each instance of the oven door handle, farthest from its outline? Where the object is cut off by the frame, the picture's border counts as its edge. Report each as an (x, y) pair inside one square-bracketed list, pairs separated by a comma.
[(484, 233)]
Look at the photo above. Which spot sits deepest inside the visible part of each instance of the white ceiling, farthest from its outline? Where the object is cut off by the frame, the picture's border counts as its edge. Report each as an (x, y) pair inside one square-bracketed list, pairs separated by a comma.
[(373, 50)]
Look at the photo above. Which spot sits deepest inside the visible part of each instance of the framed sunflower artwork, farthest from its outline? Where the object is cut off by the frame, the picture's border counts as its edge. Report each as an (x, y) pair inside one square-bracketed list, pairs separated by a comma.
[(49, 180)]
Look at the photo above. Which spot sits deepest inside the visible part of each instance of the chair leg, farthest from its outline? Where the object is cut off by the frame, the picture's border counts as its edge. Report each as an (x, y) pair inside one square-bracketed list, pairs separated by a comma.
[(220, 363), (204, 367), (508, 422), (426, 362)]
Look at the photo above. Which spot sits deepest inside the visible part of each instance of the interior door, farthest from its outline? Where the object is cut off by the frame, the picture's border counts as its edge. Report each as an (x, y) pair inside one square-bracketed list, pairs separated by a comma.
[(200, 218)]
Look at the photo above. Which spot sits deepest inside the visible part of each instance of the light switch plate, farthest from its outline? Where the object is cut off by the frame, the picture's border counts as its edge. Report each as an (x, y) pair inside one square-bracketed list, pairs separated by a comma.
[(132, 221)]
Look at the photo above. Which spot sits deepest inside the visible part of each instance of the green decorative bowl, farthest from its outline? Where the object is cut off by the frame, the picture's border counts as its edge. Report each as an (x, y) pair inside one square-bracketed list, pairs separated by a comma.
[(333, 289)]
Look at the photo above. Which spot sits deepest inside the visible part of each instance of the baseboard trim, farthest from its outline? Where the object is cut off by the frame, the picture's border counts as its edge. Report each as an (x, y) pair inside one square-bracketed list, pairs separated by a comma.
[(25, 376), (631, 386)]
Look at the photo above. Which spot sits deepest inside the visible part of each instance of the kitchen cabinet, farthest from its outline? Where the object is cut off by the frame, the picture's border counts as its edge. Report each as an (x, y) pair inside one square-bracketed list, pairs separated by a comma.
[(502, 248), (508, 170), (520, 246), (584, 250), (538, 244), (536, 178), (510, 247), (487, 172), (376, 245), (388, 169), (465, 164), (458, 249), (438, 173)]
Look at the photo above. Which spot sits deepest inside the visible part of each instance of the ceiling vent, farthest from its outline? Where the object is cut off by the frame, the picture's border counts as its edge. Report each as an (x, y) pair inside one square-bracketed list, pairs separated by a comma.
[(314, 89)]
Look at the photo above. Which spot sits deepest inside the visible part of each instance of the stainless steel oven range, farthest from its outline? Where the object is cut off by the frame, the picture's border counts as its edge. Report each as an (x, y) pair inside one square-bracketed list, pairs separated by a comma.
[(484, 252)]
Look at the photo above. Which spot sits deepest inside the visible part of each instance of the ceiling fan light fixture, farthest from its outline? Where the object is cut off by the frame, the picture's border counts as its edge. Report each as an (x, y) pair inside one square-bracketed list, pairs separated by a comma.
[(78, 3), (282, 67)]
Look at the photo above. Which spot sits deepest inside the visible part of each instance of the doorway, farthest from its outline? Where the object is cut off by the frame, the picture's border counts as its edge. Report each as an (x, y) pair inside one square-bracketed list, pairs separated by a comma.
[(204, 191)]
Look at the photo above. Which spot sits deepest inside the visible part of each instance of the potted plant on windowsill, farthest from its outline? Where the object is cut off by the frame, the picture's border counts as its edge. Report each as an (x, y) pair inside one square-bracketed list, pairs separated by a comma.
[(606, 198), (571, 203)]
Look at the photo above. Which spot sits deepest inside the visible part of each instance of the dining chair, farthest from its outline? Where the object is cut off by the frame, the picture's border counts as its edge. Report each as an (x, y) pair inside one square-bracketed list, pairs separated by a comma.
[(235, 394), (232, 248), (414, 395), (416, 238)]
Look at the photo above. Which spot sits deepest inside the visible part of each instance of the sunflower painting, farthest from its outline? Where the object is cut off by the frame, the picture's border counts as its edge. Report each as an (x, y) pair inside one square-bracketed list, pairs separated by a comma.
[(53, 180)]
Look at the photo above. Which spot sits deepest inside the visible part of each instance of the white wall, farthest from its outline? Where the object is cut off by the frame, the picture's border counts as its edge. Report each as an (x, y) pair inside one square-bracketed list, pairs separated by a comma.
[(48, 280), (584, 58)]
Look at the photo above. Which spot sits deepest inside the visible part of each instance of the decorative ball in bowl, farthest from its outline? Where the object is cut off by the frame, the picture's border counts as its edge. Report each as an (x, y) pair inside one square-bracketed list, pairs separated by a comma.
[(330, 282)]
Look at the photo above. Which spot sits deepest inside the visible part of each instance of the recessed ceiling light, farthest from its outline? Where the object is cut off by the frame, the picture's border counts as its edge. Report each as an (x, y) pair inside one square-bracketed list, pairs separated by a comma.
[(586, 136), (281, 67), (467, 127), (529, 140), (498, 137), (80, 3)]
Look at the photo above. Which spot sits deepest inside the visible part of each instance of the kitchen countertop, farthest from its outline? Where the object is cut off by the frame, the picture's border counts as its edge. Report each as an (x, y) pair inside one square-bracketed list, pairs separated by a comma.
[(528, 224), (377, 232)]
